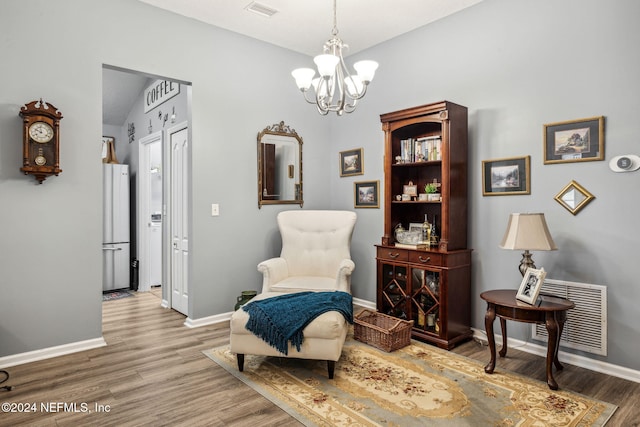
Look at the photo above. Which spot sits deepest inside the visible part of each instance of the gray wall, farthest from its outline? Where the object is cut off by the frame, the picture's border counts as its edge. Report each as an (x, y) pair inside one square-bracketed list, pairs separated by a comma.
[(51, 259), (515, 64)]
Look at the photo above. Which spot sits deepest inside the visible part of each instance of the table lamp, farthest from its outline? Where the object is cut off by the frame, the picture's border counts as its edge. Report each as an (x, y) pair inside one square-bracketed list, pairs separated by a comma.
[(528, 232)]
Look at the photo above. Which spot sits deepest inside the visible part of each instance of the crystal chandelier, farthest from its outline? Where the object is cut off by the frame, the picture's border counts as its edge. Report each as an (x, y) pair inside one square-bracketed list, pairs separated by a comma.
[(336, 89)]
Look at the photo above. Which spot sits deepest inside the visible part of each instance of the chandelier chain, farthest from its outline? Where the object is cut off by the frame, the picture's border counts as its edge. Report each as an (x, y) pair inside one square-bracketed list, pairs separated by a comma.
[(334, 31)]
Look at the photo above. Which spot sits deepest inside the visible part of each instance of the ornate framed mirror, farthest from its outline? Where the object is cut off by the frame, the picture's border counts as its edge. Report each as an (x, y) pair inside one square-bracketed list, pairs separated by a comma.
[(573, 197), (279, 166)]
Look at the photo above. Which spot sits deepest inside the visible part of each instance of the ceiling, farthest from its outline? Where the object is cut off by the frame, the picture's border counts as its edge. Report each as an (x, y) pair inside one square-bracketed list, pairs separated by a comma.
[(301, 26), (304, 25)]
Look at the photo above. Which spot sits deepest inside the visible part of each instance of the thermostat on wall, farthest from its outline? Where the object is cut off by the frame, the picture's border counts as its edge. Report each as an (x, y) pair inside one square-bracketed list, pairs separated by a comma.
[(625, 163)]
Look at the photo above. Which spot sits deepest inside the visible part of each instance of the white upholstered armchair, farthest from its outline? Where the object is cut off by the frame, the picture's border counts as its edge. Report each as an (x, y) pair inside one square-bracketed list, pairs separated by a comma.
[(315, 256), (316, 253)]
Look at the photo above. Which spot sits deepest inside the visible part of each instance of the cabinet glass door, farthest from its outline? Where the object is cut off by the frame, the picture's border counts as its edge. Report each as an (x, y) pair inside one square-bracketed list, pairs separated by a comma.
[(394, 294), (425, 300)]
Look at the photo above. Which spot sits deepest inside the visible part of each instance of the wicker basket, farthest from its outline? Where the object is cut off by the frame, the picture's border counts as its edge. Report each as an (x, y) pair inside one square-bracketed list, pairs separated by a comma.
[(381, 331)]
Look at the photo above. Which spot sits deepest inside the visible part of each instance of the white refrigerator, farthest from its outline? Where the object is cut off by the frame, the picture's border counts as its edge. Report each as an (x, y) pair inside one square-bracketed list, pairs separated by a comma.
[(115, 229)]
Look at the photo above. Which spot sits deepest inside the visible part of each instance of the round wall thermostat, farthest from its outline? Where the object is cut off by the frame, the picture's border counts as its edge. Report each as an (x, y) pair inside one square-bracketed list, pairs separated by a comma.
[(625, 163)]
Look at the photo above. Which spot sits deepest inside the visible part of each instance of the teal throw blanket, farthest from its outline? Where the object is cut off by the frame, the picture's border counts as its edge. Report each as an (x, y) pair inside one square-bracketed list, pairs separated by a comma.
[(279, 320)]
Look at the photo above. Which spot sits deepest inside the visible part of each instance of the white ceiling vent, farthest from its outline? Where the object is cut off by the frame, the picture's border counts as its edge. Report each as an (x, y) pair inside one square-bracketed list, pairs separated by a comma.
[(261, 9)]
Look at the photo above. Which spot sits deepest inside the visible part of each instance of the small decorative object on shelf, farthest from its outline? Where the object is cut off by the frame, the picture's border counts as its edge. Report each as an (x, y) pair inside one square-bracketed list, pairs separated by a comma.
[(426, 230)]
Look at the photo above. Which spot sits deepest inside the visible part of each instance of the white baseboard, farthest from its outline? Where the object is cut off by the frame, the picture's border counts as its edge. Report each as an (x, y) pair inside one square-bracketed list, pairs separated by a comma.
[(209, 320), (571, 359), (225, 317), (364, 303), (47, 353)]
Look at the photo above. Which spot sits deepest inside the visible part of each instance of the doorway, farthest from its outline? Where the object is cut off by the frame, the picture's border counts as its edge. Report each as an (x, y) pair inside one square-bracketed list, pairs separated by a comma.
[(146, 140)]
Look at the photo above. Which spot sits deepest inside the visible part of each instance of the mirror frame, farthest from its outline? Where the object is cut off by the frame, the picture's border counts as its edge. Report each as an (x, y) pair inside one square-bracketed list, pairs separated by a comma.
[(279, 129), (574, 186)]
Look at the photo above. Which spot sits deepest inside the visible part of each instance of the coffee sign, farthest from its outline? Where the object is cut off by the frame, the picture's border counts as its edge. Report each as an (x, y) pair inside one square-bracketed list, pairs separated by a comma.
[(159, 92)]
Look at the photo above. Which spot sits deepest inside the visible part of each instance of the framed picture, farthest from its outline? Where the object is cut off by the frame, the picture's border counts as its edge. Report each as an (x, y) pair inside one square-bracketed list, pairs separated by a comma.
[(351, 162), (366, 194), (415, 226), (410, 189), (530, 286), (504, 177), (574, 141)]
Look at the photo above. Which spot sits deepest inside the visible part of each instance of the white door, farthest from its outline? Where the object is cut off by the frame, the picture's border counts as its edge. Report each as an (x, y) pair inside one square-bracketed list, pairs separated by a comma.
[(179, 226), (149, 205)]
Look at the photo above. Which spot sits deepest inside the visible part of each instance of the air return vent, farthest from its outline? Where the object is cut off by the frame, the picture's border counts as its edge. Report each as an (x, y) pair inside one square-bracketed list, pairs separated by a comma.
[(261, 9), (586, 325)]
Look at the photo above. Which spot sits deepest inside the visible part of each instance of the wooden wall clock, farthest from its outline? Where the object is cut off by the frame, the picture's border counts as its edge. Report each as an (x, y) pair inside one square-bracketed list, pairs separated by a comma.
[(40, 140)]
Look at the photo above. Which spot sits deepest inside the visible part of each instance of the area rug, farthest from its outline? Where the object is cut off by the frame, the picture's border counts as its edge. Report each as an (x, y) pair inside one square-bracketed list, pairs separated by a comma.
[(114, 295), (414, 386)]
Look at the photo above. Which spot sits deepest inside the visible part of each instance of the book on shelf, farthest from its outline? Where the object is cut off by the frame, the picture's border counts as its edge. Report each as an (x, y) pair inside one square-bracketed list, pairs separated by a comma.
[(421, 149), (412, 245)]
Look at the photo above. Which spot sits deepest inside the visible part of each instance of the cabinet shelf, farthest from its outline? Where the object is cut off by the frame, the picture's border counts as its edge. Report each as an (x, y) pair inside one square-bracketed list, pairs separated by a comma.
[(429, 286), (413, 202)]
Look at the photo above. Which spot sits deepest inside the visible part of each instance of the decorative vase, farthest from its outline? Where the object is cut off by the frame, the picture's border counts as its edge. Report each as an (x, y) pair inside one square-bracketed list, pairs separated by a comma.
[(244, 298)]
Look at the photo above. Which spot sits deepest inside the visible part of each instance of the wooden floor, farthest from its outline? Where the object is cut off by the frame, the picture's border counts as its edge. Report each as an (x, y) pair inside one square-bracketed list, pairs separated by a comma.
[(153, 372)]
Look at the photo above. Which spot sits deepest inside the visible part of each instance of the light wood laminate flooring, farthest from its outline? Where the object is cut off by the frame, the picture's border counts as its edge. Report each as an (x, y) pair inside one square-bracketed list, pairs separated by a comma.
[(153, 373)]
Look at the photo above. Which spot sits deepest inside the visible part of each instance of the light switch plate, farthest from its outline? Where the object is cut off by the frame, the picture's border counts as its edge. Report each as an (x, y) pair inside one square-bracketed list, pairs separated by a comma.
[(215, 209)]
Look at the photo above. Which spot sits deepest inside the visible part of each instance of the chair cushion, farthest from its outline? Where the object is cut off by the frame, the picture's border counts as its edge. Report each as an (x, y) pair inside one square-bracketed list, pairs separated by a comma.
[(305, 283)]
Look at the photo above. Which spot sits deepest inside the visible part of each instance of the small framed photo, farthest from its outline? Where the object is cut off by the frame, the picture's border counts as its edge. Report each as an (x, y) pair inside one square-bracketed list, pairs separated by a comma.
[(574, 141), (351, 162), (415, 226), (504, 177), (366, 194), (530, 286), (410, 189)]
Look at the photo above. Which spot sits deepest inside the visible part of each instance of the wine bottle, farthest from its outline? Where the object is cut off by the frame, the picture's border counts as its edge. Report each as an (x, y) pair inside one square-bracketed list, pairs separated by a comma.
[(426, 230)]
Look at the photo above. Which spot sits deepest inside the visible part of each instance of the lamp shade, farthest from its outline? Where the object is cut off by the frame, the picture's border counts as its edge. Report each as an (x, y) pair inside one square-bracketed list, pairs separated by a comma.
[(528, 231), (366, 70), (303, 77), (326, 64)]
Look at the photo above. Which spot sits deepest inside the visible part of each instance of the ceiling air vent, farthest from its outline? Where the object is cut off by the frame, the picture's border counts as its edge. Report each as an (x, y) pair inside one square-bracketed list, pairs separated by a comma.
[(261, 9)]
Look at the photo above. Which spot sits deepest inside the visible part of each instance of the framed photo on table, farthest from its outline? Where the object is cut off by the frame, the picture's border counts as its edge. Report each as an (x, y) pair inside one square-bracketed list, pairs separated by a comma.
[(530, 286), (574, 141)]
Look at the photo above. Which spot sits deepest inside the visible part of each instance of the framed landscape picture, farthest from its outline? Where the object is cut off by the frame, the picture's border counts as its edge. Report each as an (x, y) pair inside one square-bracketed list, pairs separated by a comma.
[(351, 162), (366, 194), (509, 176), (574, 141)]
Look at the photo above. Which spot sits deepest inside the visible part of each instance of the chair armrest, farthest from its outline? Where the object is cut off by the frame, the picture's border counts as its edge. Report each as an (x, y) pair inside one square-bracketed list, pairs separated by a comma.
[(273, 271), (343, 281)]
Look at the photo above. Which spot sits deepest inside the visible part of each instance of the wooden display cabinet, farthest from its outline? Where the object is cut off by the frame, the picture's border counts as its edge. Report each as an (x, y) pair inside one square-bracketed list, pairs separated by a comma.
[(430, 286)]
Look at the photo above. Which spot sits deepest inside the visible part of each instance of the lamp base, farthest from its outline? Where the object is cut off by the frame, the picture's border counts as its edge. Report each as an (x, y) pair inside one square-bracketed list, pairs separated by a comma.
[(526, 262)]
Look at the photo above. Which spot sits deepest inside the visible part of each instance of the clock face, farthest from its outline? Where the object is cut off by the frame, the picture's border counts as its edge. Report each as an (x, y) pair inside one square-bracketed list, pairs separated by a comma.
[(41, 132)]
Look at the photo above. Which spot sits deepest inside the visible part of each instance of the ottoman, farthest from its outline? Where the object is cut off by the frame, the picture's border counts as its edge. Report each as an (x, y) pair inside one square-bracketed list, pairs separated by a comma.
[(323, 338)]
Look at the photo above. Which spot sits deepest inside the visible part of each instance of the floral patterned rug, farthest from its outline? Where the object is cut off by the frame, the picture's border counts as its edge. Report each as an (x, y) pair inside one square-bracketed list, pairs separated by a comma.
[(414, 386)]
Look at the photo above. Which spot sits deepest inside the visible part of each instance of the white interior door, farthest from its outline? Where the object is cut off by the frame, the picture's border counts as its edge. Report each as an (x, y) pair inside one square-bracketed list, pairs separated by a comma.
[(149, 188), (179, 218)]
